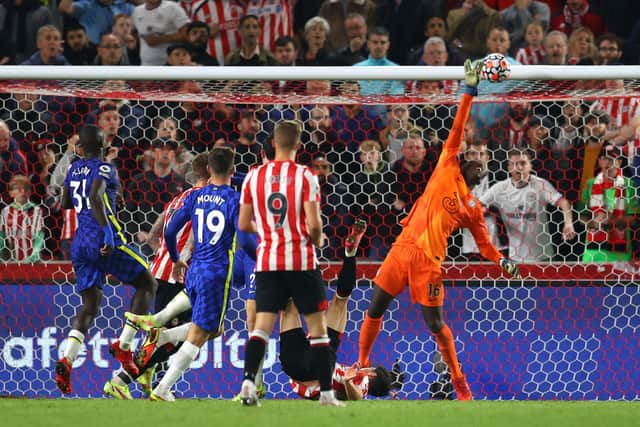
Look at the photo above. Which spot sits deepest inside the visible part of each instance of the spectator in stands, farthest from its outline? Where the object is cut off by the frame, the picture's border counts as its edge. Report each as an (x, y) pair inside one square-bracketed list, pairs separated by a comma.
[(434, 117), (149, 192), (314, 49), (404, 21), (22, 19), (371, 188), (469, 27), (167, 128), (49, 45), (581, 45), (412, 170), (533, 51), (609, 51), (436, 26), (478, 151), (608, 206), (122, 28), (77, 48), (320, 137), (355, 49), (246, 146), (355, 122), (286, 53), (41, 167), (21, 224), (12, 161), (159, 23), (522, 201), (179, 55), (378, 45), (334, 202), (250, 53), (110, 51), (399, 124), (556, 49), (96, 16), (337, 13), (517, 17), (576, 14), (198, 37)]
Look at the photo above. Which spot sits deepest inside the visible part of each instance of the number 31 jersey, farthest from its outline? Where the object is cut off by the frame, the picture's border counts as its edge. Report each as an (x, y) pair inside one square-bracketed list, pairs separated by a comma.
[(79, 180), (277, 192), (213, 211)]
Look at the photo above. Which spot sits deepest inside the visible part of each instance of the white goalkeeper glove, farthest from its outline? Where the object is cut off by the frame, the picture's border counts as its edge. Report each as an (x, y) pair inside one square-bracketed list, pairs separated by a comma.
[(511, 268)]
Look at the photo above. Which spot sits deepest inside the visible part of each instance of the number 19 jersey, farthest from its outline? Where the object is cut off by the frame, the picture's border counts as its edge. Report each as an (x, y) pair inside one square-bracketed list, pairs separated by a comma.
[(277, 192)]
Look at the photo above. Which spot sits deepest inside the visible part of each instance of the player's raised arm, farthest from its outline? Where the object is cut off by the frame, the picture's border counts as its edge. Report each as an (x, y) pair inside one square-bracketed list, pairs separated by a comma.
[(471, 80)]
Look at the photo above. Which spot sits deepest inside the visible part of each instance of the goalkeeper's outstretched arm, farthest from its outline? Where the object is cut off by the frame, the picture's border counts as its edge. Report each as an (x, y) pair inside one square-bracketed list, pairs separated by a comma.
[(471, 80)]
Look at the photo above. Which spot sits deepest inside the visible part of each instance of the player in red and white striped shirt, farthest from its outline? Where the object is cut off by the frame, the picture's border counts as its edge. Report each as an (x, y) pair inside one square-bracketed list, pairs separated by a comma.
[(284, 198), (223, 16), (21, 224)]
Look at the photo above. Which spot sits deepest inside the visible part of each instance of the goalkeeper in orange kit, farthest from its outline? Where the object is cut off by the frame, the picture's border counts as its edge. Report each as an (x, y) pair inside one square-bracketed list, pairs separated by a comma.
[(415, 258)]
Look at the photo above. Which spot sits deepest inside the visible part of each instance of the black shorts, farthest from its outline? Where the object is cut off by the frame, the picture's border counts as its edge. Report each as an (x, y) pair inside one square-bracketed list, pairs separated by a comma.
[(165, 293), (295, 353), (306, 288)]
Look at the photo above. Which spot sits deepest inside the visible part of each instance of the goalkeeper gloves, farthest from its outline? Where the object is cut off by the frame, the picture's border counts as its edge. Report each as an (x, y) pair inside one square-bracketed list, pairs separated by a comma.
[(472, 73), (511, 268)]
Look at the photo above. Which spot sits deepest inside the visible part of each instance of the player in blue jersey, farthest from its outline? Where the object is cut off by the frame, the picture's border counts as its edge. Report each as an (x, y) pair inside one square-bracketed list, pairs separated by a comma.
[(99, 248), (213, 211)]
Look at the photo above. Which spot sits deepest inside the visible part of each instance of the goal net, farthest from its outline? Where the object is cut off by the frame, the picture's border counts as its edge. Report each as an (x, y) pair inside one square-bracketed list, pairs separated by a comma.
[(568, 330)]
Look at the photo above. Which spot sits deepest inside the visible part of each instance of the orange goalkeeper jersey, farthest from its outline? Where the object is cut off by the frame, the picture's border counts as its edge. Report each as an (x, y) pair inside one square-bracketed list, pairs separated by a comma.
[(447, 203)]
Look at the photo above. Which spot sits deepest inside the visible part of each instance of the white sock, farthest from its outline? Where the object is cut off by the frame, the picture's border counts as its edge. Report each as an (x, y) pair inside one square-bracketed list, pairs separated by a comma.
[(181, 362), (74, 344), (179, 304), (327, 394), (127, 334), (258, 380), (174, 335)]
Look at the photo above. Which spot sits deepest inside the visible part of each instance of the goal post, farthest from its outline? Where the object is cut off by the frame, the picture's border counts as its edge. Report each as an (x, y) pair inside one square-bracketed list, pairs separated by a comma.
[(568, 330)]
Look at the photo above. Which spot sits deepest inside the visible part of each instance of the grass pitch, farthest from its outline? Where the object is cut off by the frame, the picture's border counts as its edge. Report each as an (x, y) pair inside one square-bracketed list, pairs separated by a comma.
[(280, 413)]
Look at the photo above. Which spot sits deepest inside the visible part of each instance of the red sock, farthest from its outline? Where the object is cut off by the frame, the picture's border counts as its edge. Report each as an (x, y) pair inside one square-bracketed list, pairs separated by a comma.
[(447, 347), (368, 334)]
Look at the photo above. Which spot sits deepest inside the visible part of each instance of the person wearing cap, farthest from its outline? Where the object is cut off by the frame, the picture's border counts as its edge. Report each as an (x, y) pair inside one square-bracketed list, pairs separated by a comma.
[(148, 192), (607, 207), (179, 54)]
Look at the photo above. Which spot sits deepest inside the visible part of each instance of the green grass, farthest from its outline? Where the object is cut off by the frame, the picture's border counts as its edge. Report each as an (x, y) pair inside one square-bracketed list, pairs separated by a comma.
[(216, 413)]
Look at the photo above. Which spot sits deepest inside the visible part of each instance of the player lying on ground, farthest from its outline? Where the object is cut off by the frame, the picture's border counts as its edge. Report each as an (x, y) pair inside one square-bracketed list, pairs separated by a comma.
[(99, 248), (417, 254), (348, 382)]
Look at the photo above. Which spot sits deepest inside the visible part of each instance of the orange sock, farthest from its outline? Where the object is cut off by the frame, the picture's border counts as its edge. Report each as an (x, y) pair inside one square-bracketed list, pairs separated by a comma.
[(368, 334), (447, 347)]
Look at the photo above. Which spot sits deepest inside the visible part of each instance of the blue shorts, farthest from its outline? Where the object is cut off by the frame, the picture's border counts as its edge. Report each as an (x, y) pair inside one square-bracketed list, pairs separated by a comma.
[(208, 286), (244, 275), (91, 268)]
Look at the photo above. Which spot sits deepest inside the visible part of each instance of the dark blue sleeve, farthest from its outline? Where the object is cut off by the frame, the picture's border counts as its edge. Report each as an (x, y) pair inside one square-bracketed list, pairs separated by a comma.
[(237, 179), (636, 170), (248, 242), (178, 220)]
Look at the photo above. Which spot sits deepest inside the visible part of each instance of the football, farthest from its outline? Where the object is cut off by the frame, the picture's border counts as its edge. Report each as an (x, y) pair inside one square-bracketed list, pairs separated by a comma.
[(495, 68)]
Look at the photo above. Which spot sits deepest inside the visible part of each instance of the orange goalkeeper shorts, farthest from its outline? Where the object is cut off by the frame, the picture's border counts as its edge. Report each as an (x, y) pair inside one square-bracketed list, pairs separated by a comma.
[(409, 264)]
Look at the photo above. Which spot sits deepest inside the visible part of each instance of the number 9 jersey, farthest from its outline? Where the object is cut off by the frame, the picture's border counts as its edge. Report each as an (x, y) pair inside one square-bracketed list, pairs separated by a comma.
[(277, 192)]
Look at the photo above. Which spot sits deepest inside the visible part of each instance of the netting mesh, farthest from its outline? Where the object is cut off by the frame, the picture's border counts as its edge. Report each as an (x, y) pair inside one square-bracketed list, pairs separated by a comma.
[(569, 330)]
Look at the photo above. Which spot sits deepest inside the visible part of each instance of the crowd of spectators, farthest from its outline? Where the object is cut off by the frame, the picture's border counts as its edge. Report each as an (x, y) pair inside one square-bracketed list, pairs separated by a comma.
[(554, 169)]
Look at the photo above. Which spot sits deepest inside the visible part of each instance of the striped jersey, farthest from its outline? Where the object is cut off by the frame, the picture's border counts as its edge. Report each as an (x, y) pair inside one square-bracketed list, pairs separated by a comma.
[(161, 266), (69, 224), (275, 19), (530, 55), (621, 110), (19, 227), (312, 392), (277, 191)]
